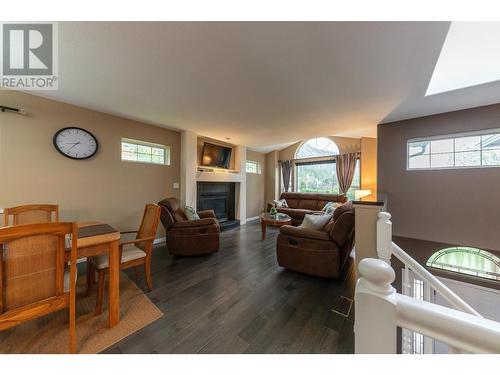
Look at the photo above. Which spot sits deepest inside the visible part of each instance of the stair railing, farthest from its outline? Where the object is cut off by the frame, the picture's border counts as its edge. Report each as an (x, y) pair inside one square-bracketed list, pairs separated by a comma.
[(380, 310), (386, 248)]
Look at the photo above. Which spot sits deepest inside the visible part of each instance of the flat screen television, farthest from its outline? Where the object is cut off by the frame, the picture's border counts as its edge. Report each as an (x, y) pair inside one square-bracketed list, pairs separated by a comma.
[(215, 156)]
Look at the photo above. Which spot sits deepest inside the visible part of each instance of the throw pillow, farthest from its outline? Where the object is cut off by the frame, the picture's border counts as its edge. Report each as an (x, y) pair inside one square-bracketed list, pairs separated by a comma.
[(191, 213), (328, 204), (330, 207), (316, 222), (280, 203)]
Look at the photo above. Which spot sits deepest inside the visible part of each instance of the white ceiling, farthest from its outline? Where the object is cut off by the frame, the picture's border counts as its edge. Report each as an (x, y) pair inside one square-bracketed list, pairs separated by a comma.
[(263, 85)]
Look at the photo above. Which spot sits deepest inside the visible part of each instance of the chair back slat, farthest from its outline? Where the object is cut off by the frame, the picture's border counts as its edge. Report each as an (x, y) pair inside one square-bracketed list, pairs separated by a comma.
[(31, 214), (32, 262), (149, 225), (30, 265)]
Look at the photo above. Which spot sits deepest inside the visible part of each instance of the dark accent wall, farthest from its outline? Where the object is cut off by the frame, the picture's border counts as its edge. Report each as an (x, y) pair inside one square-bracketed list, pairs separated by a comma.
[(459, 206)]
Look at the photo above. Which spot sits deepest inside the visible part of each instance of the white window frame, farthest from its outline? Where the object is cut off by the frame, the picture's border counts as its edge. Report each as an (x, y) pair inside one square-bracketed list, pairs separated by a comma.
[(295, 173), (166, 151), (257, 166), (297, 151), (453, 137)]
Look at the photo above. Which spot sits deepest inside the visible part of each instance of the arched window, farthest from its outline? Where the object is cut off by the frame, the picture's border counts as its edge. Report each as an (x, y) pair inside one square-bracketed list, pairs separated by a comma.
[(317, 147), (320, 176), (468, 261)]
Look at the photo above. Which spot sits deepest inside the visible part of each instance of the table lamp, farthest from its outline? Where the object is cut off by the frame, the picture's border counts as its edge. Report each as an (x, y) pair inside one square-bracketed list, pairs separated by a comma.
[(359, 194)]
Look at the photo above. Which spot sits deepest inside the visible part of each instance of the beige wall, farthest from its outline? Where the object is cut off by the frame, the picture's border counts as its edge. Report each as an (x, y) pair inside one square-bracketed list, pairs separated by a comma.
[(369, 166), (101, 188), (256, 185), (458, 206), (272, 177)]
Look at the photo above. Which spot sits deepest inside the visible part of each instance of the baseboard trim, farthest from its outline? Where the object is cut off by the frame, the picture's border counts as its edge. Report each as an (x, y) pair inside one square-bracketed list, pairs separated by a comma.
[(253, 218), (159, 240)]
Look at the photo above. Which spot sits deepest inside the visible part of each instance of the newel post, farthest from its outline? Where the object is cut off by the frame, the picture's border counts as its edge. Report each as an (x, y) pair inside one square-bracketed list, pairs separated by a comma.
[(384, 237), (365, 218), (375, 323)]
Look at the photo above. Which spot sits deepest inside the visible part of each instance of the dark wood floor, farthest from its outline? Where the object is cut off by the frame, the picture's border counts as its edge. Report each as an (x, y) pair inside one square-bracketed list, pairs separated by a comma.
[(240, 301)]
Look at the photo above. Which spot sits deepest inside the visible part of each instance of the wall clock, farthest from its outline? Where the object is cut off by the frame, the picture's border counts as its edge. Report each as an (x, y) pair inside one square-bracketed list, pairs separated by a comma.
[(75, 143)]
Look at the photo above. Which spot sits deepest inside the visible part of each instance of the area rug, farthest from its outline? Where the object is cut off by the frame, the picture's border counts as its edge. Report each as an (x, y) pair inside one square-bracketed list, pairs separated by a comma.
[(49, 334)]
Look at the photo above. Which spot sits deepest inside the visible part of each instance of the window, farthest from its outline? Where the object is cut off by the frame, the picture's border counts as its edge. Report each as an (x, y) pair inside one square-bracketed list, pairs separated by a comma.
[(253, 167), (145, 152), (472, 150), (321, 177), (317, 147), (468, 261)]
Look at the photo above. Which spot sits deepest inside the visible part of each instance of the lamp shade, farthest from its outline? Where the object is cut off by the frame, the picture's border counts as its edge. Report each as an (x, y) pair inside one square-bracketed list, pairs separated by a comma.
[(358, 194)]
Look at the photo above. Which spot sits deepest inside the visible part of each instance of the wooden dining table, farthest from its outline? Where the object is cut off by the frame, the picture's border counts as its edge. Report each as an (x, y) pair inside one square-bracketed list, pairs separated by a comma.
[(96, 238)]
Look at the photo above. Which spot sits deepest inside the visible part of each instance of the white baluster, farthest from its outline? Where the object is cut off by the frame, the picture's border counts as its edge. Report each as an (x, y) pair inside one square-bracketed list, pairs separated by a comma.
[(407, 341), (375, 308), (384, 237)]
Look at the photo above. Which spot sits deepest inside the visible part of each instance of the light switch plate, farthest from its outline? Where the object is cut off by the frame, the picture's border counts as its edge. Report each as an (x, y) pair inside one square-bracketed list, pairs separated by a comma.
[(176, 185)]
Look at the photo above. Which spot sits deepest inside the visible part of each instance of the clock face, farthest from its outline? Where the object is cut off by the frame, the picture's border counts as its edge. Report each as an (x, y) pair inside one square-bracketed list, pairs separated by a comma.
[(75, 143)]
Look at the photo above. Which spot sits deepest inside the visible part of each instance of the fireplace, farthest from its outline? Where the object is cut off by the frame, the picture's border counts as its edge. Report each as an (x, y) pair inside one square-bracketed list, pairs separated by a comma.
[(220, 197)]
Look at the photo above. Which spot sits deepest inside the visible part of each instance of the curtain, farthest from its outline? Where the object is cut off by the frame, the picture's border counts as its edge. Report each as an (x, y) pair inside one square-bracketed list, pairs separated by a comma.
[(345, 165), (286, 170)]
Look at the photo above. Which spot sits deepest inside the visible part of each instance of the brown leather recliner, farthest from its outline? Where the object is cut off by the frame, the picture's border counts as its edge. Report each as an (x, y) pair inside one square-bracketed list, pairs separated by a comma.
[(189, 237), (323, 252)]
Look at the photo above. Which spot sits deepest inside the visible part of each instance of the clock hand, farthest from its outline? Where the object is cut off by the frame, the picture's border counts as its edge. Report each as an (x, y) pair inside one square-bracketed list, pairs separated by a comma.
[(73, 146)]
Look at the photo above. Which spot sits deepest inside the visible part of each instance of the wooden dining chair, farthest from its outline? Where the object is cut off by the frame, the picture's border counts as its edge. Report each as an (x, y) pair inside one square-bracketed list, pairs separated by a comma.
[(33, 279), (134, 253), (31, 214)]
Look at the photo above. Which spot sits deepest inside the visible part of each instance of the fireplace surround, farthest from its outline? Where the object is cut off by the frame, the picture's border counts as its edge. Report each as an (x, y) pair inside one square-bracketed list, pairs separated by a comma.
[(220, 197)]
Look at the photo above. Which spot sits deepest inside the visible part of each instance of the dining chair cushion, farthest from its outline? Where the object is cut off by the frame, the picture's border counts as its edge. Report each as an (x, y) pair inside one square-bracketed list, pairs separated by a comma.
[(130, 252), (66, 278)]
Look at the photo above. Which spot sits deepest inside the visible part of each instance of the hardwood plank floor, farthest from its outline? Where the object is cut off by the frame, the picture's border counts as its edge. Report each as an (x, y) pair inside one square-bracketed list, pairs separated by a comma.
[(240, 301)]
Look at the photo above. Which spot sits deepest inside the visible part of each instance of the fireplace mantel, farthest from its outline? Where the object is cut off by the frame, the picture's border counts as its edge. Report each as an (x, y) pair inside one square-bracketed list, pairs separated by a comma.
[(205, 176)]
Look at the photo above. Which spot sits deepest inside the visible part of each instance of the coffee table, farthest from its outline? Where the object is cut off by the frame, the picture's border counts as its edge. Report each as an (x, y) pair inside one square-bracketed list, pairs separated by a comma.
[(278, 220)]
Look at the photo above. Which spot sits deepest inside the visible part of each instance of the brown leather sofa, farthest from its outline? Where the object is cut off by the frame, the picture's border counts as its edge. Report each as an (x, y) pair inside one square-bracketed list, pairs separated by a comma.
[(189, 237), (300, 204), (325, 252)]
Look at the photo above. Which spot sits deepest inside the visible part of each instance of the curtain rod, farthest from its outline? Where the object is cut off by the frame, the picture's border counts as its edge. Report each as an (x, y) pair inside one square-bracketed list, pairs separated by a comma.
[(20, 111)]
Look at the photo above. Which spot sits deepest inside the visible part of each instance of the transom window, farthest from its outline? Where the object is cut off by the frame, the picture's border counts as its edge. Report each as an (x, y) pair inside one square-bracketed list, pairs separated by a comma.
[(145, 152), (471, 150), (252, 166), (317, 147), (468, 261)]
